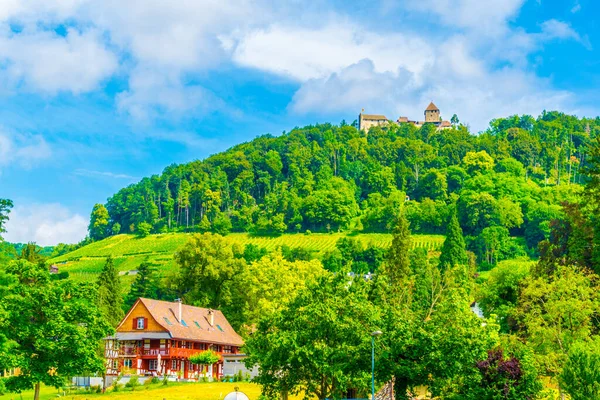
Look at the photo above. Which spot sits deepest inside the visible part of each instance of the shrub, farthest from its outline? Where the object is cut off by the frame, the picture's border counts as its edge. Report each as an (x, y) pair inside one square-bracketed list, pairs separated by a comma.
[(580, 377), (134, 382)]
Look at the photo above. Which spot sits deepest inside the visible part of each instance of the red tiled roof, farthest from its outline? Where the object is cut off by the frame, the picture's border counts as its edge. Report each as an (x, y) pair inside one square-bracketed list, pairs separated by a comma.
[(220, 332)]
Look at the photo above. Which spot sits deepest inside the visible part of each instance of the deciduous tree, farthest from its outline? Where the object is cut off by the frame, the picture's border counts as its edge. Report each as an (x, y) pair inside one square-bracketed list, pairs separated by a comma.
[(53, 328)]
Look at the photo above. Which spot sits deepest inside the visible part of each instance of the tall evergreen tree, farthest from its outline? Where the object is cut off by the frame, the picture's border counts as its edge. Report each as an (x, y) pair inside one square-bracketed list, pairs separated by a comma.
[(110, 300), (145, 285), (397, 265), (454, 249)]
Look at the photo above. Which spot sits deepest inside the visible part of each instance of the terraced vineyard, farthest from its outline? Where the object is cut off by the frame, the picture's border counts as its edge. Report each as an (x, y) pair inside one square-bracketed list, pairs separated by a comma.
[(129, 251)]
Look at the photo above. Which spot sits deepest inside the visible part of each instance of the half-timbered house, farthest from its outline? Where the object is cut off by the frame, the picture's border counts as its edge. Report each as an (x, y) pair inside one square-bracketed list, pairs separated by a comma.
[(157, 338)]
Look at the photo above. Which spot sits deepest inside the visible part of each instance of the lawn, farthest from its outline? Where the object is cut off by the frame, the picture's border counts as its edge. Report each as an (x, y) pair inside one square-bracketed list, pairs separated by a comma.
[(129, 251), (175, 391)]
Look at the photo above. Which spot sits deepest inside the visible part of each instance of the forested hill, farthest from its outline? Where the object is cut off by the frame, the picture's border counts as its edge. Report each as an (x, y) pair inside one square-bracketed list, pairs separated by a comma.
[(507, 181)]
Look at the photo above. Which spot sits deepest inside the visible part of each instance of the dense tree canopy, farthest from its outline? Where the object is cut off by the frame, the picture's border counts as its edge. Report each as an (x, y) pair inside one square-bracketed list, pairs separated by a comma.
[(327, 178)]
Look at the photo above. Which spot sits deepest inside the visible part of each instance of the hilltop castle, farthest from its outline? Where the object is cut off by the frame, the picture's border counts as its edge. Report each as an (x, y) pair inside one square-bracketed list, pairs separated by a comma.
[(432, 116)]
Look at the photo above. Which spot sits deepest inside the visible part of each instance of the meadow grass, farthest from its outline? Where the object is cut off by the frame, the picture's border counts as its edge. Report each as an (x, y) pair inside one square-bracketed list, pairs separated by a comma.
[(174, 391)]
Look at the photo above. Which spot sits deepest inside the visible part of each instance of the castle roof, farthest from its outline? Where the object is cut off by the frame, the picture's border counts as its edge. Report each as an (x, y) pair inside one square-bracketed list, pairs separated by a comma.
[(373, 116), (432, 107)]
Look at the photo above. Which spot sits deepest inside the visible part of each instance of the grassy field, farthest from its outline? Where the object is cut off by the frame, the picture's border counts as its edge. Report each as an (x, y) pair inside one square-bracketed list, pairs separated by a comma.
[(175, 391), (129, 251)]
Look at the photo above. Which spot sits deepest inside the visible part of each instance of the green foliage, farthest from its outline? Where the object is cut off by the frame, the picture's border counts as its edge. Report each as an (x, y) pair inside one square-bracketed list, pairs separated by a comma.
[(478, 162), (207, 268), (397, 265), (134, 382), (557, 311), (5, 206), (318, 343), (143, 229), (505, 376), (53, 327), (454, 250), (110, 299), (499, 294), (99, 220), (267, 285), (580, 376), (145, 285), (32, 253), (207, 357)]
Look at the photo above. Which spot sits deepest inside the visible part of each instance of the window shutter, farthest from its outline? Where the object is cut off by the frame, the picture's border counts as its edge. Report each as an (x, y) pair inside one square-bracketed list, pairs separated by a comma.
[(145, 323), (135, 323)]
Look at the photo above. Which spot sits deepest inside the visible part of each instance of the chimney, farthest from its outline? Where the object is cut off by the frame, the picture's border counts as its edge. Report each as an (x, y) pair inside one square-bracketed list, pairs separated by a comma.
[(179, 301), (211, 316)]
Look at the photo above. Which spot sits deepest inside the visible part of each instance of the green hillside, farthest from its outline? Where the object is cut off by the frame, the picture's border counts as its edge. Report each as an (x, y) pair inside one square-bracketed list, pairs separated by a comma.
[(129, 251)]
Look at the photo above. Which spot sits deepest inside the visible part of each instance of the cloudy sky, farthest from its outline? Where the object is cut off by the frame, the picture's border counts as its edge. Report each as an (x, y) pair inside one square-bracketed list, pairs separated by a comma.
[(95, 94)]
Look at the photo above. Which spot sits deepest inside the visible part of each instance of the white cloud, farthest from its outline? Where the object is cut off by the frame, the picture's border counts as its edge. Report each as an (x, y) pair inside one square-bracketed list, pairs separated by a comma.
[(48, 62), (25, 150), (103, 174), (168, 42), (485, 17), (554, 29), (155, 93), (306, 53), (45, 224), (456, 81), (576, 8)]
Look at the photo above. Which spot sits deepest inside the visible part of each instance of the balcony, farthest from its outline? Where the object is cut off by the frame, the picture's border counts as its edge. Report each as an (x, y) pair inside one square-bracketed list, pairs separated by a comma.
[(172, 352)]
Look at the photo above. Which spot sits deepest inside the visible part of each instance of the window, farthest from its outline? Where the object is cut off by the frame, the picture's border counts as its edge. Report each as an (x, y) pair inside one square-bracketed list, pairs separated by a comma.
[(221, 329), (167, 321), (140, 323), (183, 323), (227, 349), (197, 324), (173, 364), (127, 363), (152, 365), (115, 364)]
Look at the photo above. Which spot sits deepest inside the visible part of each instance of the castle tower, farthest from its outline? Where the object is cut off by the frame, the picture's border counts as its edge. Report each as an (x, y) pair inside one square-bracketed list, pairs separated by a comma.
[(432, 113)]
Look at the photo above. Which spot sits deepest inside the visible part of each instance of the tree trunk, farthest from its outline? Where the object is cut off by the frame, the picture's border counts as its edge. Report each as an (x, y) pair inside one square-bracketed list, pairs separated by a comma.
[(36, 394)]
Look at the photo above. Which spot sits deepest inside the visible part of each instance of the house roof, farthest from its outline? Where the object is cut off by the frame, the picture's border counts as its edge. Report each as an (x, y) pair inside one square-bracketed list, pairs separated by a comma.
[(194, 324), (373, 116), (432, 107)]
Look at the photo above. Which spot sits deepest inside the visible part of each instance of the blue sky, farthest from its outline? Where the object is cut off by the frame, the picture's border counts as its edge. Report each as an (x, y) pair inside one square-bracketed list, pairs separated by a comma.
[(96, 94)]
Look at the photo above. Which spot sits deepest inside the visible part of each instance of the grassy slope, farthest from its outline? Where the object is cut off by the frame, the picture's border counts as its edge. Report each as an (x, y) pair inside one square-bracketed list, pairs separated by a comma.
[(129, 251)]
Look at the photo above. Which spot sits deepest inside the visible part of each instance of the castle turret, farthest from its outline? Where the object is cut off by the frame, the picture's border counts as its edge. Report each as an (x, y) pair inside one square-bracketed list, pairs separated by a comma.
[(432, 113)]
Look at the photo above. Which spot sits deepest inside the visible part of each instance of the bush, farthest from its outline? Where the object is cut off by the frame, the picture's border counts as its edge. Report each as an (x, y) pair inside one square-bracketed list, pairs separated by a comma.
[(134, 381), (2, 387), (580, 377), (143, 229)]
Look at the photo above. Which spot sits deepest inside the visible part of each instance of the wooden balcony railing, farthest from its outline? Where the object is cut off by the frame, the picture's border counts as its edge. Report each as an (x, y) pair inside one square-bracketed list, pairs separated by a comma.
[(171, 352)]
